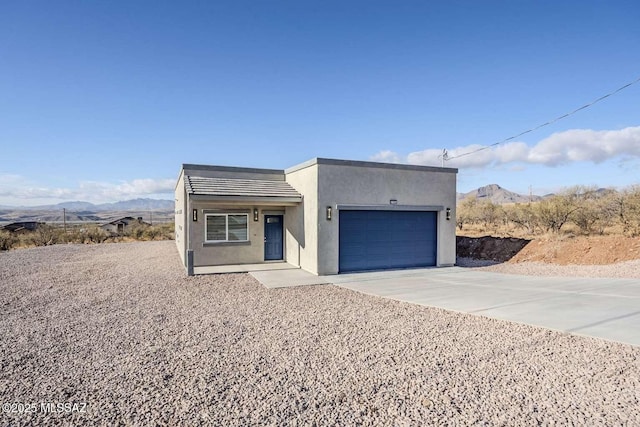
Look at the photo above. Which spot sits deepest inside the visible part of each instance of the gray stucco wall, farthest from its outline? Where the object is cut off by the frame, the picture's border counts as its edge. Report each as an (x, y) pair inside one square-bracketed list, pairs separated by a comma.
[(225, 253), (251, 252), (366, 183), (180, 215), (301, 234)]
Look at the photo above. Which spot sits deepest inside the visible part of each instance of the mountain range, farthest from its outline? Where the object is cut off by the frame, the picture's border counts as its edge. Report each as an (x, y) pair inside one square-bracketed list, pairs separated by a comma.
[(86, 207), (498, 195), (492, 192), (160, 209), (151, 210)]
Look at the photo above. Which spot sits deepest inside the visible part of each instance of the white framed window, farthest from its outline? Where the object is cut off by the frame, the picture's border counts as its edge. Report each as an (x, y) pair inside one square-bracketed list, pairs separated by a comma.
[(231, 227)]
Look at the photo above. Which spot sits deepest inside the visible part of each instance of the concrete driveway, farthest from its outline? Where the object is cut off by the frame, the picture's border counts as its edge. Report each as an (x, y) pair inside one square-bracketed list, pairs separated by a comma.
[(603, 308)]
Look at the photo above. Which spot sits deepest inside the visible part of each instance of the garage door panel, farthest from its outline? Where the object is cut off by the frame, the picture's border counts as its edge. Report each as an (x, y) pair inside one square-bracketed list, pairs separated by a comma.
[(371, 240)]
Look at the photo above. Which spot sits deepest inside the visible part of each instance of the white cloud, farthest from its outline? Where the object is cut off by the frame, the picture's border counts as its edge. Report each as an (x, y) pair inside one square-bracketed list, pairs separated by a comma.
[(125, 190), (15, 189), (586, 145), (7, 178), (511, 152), (387, 156), (576, 145)]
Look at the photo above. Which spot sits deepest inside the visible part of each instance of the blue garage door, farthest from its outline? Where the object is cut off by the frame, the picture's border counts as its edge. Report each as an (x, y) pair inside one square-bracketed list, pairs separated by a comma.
[(375, 240)]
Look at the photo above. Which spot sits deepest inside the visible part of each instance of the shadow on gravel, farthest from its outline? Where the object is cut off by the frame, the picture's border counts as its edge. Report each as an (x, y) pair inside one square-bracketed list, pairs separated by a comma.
[(487, 248)]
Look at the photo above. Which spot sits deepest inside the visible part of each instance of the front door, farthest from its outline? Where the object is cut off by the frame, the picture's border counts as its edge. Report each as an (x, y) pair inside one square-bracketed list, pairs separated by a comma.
[(273, 237)]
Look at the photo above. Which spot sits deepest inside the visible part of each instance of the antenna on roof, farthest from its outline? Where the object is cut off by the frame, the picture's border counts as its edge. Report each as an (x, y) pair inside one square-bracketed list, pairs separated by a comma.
[(444, 156)]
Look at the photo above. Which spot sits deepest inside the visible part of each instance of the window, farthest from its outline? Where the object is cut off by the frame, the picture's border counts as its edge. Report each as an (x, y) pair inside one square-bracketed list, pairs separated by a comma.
[(227, 227)]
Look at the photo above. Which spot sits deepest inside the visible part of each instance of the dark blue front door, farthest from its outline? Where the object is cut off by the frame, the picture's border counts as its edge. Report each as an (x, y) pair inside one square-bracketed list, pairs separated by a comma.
[(272, 237)]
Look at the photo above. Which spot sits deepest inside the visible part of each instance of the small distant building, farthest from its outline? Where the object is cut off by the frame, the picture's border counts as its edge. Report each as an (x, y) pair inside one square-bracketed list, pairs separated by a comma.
[(122, 225), (21, 227)]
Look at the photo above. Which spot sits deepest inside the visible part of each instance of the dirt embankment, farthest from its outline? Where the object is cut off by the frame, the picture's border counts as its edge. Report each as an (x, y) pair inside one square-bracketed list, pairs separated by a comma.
[(488, 248), (580, 250)]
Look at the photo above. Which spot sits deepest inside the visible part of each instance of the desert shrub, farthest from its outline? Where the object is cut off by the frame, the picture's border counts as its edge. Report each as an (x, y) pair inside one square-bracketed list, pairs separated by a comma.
[(554, 212), (466, 212), (44, 235), (523, 216), (490, 214), (7, 240), (136, 231), (151, 232), (94, 234), (74, 235), (628, 207), (167, 231), (596, 210), (162, 231), (586, 210)]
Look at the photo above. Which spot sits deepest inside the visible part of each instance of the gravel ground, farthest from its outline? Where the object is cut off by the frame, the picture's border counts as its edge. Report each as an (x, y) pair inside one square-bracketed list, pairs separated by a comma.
[(628, 269), (120, 327)]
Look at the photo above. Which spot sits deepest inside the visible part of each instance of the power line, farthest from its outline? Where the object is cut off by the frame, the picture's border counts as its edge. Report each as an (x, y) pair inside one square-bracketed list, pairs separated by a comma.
[(547, 123)]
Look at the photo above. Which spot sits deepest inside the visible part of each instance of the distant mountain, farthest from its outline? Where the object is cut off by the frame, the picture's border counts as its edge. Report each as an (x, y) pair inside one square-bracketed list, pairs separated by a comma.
[(151, 210), (497, 195), (75, 206), (89, 208), (138, 205)]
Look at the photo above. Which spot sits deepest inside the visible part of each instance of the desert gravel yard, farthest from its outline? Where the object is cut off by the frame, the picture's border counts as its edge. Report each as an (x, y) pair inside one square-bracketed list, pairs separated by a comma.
[(120, 328)]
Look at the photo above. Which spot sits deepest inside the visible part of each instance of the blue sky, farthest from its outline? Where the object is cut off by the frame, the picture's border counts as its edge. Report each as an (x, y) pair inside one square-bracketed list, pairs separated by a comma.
[(102, 101)]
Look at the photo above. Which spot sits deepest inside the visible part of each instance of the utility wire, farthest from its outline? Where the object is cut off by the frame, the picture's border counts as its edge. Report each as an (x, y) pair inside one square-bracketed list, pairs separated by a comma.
[(445, 157)]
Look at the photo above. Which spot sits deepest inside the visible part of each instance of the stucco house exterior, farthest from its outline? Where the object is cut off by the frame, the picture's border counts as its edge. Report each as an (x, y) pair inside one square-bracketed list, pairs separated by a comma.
[(325, 216)]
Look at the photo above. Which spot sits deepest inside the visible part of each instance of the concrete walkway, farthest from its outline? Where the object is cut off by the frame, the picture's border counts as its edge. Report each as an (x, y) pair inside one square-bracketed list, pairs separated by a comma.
[(289, 278), (603, 308), (244, 268)]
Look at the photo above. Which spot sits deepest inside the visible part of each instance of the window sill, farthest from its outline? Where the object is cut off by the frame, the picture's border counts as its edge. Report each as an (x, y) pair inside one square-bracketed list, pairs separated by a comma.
[(227, 243)]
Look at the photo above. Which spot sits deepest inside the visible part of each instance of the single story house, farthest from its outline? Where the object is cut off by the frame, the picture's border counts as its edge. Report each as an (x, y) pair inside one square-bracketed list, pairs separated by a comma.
[(325, 216), (122, 225)]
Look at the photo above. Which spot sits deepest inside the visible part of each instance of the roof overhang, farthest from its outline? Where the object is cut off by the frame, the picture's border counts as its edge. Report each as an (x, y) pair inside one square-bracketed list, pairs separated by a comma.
[(254, 200), (225, 190)]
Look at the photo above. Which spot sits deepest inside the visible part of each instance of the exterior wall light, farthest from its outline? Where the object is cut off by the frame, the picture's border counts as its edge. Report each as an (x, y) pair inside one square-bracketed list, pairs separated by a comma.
[(255, 214), (448, 214), (393, 202), (329, 212), (195, 215)]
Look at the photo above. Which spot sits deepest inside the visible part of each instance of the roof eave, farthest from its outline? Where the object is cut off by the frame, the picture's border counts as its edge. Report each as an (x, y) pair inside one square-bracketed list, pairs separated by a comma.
[(260, 200)]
